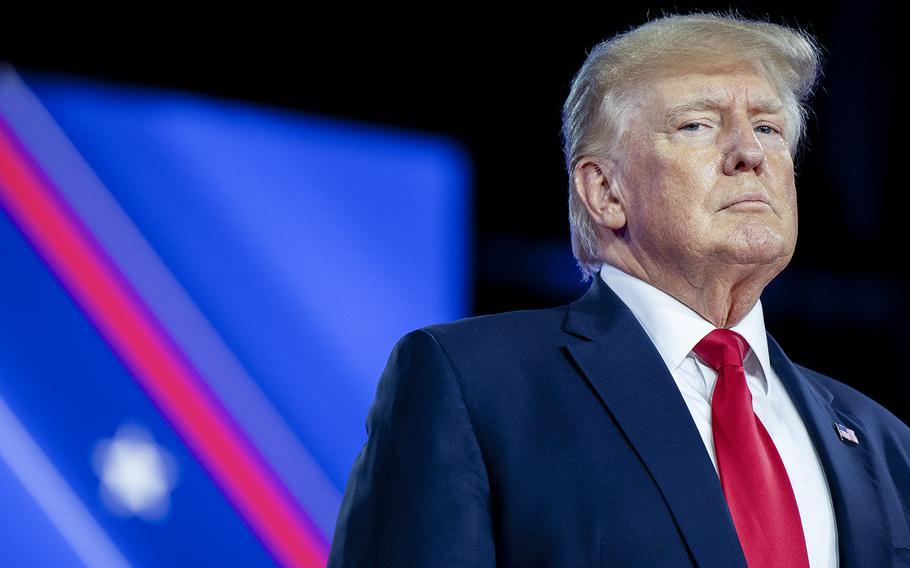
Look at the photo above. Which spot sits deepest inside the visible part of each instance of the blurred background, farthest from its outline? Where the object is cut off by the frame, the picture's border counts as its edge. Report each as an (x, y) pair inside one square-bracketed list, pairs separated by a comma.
[(213, 233)]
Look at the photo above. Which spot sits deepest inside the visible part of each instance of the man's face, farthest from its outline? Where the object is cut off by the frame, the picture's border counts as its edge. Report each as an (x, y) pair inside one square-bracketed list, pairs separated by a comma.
[(708, 177)]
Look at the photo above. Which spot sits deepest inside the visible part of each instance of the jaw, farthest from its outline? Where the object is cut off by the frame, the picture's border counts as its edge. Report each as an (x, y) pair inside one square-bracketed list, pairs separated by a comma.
[(753, 238)]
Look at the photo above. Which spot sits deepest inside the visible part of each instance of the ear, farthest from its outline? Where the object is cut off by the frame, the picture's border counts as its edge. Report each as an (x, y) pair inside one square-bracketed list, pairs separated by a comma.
[(597, 185)]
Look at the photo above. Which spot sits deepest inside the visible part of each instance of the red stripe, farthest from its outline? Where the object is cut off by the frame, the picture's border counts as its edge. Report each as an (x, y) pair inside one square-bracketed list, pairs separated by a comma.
[(155, 361)]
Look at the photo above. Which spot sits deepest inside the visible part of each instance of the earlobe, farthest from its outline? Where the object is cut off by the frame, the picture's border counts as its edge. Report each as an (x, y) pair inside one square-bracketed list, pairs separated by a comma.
[(598, 187)]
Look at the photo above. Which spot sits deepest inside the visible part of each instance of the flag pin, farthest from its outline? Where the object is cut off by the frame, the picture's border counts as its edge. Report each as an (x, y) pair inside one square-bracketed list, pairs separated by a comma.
[(845, 434)]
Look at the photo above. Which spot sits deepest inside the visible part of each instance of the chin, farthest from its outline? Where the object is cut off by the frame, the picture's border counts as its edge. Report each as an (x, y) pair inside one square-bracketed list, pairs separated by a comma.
[(759, 259), (759, 245), (767, 255)]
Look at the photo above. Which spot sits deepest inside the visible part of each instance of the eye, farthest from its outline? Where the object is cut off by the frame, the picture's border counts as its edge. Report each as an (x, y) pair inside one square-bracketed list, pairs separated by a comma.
[(691, 126), (765, 129)]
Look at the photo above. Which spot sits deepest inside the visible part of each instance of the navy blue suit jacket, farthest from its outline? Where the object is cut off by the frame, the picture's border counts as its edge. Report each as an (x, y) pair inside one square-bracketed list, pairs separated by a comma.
[(558, 438)]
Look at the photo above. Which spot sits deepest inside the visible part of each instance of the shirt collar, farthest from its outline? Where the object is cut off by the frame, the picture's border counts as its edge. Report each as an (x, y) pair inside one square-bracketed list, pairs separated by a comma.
[(674, 327)]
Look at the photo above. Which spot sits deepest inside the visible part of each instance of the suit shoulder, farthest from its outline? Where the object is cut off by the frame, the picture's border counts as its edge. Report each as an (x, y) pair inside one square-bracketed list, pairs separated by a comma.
[(862, 406), (482, 343), (519, 326)]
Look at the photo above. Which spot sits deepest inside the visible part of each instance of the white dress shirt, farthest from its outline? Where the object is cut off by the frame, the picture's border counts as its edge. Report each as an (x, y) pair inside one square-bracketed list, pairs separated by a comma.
[(675, 329)]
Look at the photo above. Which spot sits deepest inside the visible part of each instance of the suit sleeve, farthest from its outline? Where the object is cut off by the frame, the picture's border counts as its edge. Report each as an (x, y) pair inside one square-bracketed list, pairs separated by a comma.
[(418, 493)]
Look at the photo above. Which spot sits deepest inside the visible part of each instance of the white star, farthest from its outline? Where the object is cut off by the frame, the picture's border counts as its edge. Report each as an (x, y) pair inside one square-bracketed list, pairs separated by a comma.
[(136, 474)]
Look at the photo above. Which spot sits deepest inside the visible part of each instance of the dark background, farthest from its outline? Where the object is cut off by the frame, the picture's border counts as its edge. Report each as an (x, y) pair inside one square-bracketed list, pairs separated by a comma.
[(497, 84)]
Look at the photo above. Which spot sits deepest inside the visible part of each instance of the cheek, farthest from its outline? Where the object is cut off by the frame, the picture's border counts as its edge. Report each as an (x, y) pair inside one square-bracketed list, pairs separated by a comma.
[(671, 188), (780, 170), (787, 191), (687, 183)]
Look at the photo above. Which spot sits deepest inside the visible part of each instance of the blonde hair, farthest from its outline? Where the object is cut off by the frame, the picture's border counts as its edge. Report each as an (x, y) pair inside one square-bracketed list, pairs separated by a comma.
[(600, 99)]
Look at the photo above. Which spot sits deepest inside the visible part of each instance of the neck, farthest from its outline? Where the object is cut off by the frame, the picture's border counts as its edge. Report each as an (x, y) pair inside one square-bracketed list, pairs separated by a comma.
[(721, 293)]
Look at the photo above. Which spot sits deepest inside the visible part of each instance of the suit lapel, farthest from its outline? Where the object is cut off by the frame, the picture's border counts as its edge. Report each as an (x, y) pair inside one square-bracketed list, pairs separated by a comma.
[(626, 371), (862, 530)]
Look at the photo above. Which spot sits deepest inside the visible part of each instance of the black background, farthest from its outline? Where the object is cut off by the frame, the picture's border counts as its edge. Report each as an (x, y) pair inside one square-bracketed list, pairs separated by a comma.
[(496, 83)]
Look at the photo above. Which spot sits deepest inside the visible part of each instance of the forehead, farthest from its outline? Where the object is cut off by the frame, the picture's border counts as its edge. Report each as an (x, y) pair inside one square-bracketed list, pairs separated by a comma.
[(721, 87)]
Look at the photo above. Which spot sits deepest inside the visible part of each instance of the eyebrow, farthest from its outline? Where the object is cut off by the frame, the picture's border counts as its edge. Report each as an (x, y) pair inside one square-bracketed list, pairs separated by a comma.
[(761, 105)]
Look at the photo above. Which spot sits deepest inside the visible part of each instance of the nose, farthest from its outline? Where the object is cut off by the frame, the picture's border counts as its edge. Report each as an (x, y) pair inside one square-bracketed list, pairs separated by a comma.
[(744, 151)]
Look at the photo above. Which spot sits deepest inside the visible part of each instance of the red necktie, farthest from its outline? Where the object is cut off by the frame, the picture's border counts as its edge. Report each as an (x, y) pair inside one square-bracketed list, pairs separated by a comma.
[(752, 474)]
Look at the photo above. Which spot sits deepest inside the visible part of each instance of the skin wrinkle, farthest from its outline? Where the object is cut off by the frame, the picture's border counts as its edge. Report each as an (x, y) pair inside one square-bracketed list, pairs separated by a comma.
[(716, 102), (696, 143)]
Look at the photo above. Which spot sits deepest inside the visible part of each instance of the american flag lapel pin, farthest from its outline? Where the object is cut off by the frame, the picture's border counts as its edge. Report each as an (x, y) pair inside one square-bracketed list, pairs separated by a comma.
[(845, 434)]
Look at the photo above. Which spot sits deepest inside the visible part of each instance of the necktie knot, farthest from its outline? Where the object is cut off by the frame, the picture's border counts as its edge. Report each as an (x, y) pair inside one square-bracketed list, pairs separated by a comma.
[(722, 347)]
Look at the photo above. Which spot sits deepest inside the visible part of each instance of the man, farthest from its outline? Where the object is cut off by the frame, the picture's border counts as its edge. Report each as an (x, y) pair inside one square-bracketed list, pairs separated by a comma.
[(652, 422)]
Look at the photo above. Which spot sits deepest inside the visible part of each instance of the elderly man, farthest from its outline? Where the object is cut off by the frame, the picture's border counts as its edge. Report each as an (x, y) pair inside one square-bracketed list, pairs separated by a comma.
[(652, 422)]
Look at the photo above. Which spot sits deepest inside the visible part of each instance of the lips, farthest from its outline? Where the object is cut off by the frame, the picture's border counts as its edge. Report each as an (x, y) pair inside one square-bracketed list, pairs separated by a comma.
[(752, 198)]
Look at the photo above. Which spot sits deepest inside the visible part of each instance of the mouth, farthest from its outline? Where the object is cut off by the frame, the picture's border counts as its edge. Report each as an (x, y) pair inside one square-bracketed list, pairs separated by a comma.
[(748, 202)]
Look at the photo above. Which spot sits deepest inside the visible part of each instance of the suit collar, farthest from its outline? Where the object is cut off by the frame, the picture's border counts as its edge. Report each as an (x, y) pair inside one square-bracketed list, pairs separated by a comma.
[(589, 317), (620, 362), (863, 532), (627, 373), (675, 328)]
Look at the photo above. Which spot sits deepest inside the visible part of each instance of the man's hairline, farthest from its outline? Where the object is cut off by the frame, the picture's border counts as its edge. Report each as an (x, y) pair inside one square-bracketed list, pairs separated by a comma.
[(789, 109)]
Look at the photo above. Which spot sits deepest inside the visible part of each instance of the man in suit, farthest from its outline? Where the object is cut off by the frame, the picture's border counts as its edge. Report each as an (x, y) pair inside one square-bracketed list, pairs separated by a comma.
[(653, 422)]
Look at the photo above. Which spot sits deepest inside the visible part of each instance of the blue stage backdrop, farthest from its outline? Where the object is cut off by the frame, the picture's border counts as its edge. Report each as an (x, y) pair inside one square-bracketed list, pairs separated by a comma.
[(198, 298)]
